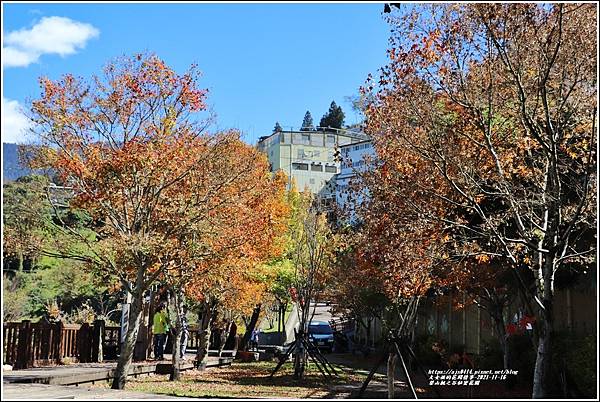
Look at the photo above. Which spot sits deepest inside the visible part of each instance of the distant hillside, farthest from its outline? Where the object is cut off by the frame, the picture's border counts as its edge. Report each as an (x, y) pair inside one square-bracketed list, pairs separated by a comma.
[(12, 169)]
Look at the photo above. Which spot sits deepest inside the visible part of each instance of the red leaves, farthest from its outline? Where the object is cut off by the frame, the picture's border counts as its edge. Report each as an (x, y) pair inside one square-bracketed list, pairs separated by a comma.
[(511, 329), (525, 323), (172, 200)]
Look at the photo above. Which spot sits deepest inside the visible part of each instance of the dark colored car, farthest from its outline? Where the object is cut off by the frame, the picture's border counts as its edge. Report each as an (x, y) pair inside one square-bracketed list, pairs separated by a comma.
[(321, 334)]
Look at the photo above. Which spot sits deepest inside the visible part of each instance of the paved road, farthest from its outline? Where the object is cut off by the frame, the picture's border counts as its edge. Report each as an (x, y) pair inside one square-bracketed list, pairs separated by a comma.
[(87, 372), (47, 392), (322, 313), (49, 382)]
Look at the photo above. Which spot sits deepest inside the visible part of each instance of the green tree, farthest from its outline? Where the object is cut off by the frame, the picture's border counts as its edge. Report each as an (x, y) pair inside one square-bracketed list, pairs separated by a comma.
[(312, 251), (277, 128), (334, 118), (26, 213), (307, 123)]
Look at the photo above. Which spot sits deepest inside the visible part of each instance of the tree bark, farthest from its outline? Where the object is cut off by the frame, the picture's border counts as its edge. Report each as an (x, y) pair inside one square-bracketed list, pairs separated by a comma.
[(204, 333), (176, 359), (126, 355), (542, 382), (224, 336), (543, 363), (250, 327), (300, 359), (498, 319), (20, 260), (391, 373), (368, 336)]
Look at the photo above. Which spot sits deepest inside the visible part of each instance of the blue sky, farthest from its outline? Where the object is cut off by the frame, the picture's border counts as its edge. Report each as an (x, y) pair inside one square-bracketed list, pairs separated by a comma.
[(261, 62)]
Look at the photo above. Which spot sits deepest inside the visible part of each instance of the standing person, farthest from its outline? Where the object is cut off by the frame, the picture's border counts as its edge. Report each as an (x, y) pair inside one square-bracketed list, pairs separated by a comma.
[(185, 333), (255, 336), (159, 328)]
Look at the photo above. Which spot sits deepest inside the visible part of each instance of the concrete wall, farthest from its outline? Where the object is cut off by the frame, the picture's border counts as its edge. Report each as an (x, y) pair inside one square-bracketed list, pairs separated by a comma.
[(575, 310), (313, 149), (353, 161), (471, 326)]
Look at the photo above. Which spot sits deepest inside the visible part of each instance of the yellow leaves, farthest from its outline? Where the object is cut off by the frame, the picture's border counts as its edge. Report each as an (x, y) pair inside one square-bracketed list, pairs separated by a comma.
[(482, 258), (572, 153), (522, 170)]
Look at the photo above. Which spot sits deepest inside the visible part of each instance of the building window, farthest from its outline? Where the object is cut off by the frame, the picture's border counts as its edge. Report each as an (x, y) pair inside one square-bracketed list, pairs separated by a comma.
[(282, 138), (306, 138), (330, 139), (316, 168), (331, 169), (301, 153), (300, 166)]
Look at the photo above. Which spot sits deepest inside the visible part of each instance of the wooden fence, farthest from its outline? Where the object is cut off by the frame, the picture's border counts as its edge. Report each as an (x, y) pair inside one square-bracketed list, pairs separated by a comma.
[(27, 344), (193, 341)]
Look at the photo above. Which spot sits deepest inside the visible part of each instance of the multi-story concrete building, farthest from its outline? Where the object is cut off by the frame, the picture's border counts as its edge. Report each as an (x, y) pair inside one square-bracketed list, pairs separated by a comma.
[(310, 158), (353, 161)]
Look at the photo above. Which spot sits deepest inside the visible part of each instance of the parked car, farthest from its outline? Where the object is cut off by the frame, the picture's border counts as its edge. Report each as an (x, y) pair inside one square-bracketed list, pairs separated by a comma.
[(321, 333)]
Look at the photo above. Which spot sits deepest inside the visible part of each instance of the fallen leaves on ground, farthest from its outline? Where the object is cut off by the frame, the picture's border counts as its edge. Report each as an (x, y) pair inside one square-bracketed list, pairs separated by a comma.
[(248, 380)]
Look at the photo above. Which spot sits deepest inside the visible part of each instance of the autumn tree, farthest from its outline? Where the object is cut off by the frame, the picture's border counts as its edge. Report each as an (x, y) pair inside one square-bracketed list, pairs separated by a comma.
[(497, 103), (230, 216), (394, 251), (126, 142), (357, 287)]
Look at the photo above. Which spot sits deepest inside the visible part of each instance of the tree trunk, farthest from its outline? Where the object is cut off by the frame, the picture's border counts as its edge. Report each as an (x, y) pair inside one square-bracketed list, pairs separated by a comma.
[(542, 382), (204, 333), (391, 373), (506, 351), (502, 337), (250, 327), (543, 362), (176, 359), (204, 344), (224, 336), (368, 336), (126, 355), (300, 359), (20, 260)]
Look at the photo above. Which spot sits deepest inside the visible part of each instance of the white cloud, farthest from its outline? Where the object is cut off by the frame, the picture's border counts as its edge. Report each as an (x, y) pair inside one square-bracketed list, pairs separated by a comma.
[(52, 35), (14, 123), (12, 57)]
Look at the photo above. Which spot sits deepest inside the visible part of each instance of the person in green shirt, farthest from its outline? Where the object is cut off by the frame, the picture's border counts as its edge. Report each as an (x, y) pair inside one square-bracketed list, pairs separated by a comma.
[(160, 328)]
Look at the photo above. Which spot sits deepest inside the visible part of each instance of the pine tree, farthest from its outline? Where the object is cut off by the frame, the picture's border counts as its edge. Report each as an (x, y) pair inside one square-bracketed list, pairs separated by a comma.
[(334, 118), (307, 123), (277, 128)]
